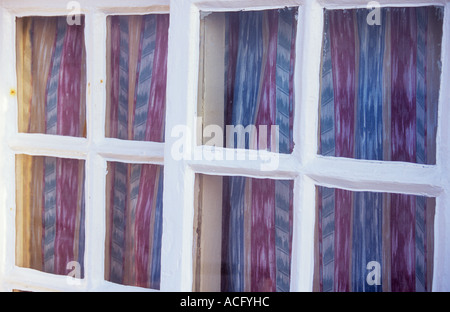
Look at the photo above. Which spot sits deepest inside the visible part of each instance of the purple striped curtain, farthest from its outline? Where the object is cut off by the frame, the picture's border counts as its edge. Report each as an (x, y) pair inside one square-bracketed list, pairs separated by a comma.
[(51, 100), (394, 230), (380, 84), (257, 213), (378, 101), (51, 76), (137, 67)]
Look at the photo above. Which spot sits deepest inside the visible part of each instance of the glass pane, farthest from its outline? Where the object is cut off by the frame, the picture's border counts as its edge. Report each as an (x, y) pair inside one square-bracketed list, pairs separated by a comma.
[(136, 65), (51, 76), (134, 196), (50, 214), (243, 235), (380, 81), (372, 242), (246, 78)]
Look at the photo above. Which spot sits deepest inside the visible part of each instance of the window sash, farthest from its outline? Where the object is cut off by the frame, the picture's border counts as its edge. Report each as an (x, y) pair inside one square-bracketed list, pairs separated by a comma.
[(306, 167)]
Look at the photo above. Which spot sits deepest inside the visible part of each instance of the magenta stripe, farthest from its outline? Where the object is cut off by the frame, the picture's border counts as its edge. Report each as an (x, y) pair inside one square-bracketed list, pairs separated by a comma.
[(157, 106), (68, 124), (342, 36), (403, 124), (142, 227), (69, 84), (342, 240), (263, 260), (66, 210), (403, 209), (403, 84), (263, 255), (154, 132)]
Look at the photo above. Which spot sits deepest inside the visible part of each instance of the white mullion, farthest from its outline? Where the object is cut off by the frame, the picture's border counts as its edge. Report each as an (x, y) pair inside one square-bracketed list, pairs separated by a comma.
[(441, 278), (367, 175), (307, 73), (34, 280), (345, 4), (8, 121), (48, 145), (302, 262), (95, 184), (244, 162), (131, 151), (178, 212), (308, 59), (238, 5)]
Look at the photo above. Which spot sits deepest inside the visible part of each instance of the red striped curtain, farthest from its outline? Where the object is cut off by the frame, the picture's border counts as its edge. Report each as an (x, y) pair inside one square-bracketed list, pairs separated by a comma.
[(378, 101), (136, 90), (51, 74)]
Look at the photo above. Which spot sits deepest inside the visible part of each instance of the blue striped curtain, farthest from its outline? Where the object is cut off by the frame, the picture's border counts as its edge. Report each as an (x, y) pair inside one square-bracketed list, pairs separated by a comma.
[(257, 213), (378, 101)]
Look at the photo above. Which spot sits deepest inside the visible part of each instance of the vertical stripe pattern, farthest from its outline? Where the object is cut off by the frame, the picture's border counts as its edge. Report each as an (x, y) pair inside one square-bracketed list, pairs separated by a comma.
[(384, 104), (257, 213), (138, 66), (375, 104)]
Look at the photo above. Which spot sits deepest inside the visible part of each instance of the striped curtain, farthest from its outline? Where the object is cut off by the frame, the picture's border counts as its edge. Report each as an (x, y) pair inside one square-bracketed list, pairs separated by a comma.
[(134, 224), (51, 66), (257, 213), (256, 234), (137, 68), (137, 65), (379, 95), (380, 84), (51, 100), (50, 214), (394, 230), (259, 70)]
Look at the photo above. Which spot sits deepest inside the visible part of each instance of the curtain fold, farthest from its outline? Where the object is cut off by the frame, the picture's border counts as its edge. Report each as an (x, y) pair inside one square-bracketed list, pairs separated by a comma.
[(394, 230), (136, 111), (51, 100), (257, 213), (377, 103), (380, 84)]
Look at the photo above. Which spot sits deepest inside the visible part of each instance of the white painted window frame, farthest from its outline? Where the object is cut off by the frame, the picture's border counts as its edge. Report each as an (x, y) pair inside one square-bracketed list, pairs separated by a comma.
[(304, 165), (95, 149)]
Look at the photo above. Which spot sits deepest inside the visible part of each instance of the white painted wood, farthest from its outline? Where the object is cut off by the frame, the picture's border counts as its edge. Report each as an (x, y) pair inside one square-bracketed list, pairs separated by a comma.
[(7, 129), (441, 276), (178, 212)]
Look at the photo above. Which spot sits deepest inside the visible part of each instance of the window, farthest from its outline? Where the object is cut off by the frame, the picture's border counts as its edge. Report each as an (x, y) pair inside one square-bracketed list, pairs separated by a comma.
[(187, 160), (76, 172)]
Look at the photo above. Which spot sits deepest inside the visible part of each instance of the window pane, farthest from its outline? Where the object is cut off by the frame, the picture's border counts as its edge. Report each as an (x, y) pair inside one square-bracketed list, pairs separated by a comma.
[(380, 82), (243, 235), (373, 241), (51, 76), (246, 77), (134, 196), (50, 214), (137, 71)]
